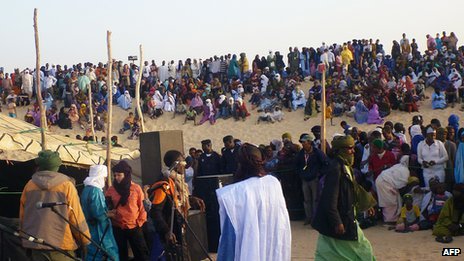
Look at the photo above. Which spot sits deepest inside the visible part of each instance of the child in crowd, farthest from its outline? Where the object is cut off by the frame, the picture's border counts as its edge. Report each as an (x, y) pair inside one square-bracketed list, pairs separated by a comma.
[(432, 203), (128, 123), (11, 108), (265, 116), (135, 129), (409, 217), (191, 115), (278, 114)]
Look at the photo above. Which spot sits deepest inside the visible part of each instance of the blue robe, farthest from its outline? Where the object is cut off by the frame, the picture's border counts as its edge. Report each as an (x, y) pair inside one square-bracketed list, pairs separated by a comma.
[(438, 101), (459, 164), (362, 113), (95, 209)]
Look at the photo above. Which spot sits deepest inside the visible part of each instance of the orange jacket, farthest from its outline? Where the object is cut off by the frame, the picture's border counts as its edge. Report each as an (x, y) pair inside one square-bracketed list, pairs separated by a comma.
[(48, 186), (132, 214)]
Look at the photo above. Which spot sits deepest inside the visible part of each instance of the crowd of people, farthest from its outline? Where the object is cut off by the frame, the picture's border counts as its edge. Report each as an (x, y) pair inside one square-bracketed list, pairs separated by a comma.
[(410, 178), (363, 82)]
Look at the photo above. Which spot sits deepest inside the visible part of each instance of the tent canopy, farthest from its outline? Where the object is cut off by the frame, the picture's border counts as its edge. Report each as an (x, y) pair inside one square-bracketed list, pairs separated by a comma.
[(21, 141)]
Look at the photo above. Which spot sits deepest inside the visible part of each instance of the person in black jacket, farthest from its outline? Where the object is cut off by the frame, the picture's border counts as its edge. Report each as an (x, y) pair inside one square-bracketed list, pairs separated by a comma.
[(229, 155), (309, 162), (340, 237)]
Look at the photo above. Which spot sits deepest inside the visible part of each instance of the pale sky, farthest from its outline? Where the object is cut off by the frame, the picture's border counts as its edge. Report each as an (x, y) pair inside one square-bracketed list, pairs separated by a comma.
[(75, 31)]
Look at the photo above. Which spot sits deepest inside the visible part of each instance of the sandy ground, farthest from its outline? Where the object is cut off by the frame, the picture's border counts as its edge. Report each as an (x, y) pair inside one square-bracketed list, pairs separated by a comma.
[(387, 244)]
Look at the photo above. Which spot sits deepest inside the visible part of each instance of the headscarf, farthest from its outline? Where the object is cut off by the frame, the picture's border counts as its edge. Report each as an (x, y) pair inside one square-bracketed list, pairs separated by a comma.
[(97, 175), (287, 136), (222, 98), (209, 105), (338, 145), (123, 188), (251, 162), (453, 121), (48, 160)]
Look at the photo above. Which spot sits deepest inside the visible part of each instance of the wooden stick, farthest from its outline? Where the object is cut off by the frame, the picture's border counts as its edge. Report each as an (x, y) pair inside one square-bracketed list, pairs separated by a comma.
[(43, 119), (91, 113), (137, 92), (109, 84), (323, 108)]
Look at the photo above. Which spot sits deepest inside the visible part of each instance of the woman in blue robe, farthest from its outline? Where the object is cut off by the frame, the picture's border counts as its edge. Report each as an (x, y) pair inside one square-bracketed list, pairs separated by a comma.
[(362, 112), (125, 101), (95, 211), (438, 99)]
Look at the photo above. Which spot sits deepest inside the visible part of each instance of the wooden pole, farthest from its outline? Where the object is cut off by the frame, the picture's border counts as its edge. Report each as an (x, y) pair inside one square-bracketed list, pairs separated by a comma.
[(43, 119), (109, 84), (137, 92), (323, 108), (91, 113)]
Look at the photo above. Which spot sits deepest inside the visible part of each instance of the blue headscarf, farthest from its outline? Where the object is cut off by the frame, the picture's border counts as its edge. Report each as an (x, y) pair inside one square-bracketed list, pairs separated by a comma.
[(453, 121)]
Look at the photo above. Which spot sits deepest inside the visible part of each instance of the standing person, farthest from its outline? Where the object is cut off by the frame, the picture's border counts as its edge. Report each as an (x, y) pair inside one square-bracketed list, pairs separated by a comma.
[(171, 189), (229, 153), (96, 213), (209, 164), (340, 236), (254, 221), (432, 155), (309, 162), (47, 183), (127, 213)]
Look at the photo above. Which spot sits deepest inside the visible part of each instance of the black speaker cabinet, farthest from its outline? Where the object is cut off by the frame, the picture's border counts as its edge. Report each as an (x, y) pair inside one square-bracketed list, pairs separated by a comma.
[(153, 146)]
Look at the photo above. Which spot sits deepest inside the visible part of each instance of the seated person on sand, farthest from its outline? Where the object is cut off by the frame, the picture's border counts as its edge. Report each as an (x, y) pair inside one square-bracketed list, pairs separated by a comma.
[(265, 116), (125, 101), (169, 102), (451, 219), (208, 113), (73, 114), (433, 203), (299, 99), (240, 110), (409, 217), (438, 99), (63, 119), (278, 114), (181, 108), (310, 108), (197, 103), (222, 107), (374, 115), (191, 115), (127, 123), (362, 112)]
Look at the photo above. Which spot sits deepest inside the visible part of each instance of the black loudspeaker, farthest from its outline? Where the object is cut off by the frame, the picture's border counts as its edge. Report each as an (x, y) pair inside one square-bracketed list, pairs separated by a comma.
[(153, 146)]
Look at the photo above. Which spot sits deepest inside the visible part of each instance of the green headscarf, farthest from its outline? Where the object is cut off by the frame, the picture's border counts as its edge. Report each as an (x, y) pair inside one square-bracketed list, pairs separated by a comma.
[(48, 160), (339, 143)]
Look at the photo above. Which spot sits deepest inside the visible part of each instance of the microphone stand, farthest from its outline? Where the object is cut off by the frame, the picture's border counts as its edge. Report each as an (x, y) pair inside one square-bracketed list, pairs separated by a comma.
[(34, 239), (82, 233)]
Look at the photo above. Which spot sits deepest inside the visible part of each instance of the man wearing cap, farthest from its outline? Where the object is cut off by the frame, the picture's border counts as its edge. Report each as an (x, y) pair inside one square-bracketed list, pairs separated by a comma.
[(380, 159), (340, 237), (48, 185), (432, 155), (309, 162)]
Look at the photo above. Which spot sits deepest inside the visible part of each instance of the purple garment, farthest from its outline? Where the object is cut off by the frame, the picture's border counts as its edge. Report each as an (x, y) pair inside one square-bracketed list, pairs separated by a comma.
[(196, 102), (374, 116), (207, 115)]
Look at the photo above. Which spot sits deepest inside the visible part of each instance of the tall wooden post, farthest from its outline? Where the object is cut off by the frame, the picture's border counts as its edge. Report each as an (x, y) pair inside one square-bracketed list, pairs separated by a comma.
[(91, 112), (43, 119), (322, 69), (109, 84), (137, 92)]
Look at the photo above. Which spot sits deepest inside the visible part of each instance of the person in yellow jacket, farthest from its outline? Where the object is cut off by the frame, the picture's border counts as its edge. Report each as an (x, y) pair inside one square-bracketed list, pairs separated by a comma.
[(244, 66), (48, 185), (347, 57)]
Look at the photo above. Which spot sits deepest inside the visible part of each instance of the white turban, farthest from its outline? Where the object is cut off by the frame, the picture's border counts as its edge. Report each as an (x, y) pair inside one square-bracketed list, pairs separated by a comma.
[(97, 175)]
